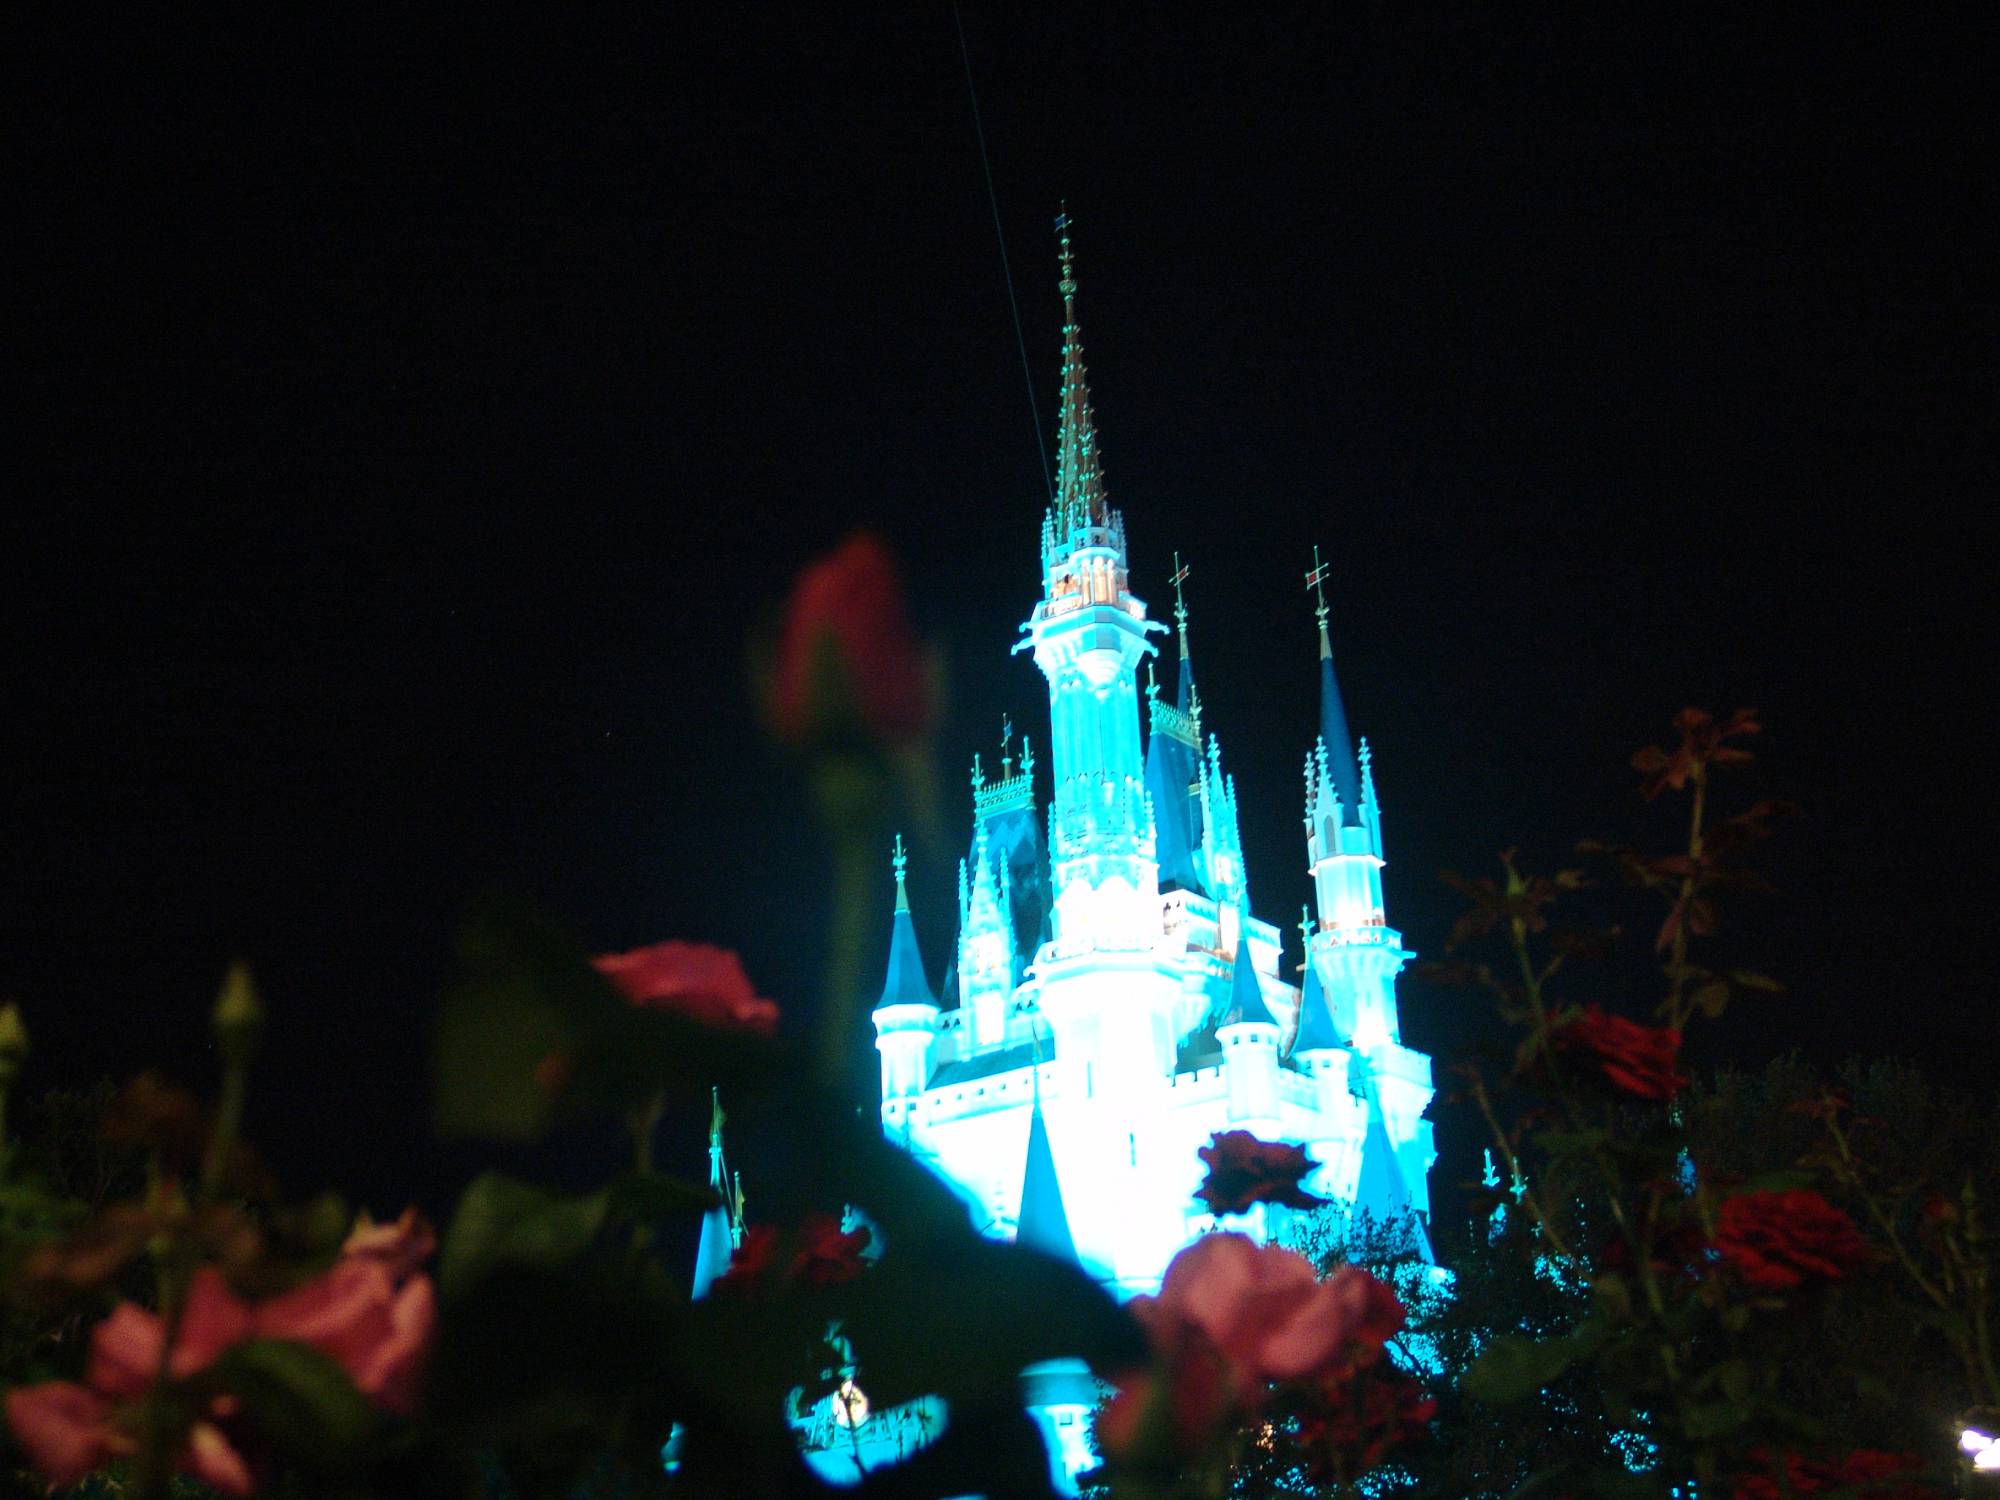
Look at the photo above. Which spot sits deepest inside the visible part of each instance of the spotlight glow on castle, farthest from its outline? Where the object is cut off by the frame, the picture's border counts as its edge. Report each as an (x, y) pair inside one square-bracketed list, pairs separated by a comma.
[(1113, 1000)]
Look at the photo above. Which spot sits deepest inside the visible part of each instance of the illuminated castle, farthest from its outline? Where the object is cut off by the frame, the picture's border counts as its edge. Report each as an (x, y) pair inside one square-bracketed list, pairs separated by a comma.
[(1112, 1001)]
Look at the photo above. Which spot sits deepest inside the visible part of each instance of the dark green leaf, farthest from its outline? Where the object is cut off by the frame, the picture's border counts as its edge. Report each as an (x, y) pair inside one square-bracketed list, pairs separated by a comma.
[(492, 1038), (641, 1196), (503, 1222), (1712, 1420), (1511, 1369), (299, 1400)]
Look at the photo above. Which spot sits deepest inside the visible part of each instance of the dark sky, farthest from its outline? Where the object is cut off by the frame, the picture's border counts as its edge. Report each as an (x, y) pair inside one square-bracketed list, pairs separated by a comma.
[(415, 417)]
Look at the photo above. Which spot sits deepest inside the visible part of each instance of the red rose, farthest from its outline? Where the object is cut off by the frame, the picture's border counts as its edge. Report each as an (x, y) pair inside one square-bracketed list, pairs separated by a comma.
[(1243, 1170), (1776, 1242), (703, 983), (821, 1255), (751, 1262), (1641, 1060), (847, 661), (826, 1256)]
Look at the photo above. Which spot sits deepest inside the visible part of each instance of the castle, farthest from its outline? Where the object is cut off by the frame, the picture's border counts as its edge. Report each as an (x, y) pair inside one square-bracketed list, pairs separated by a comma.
[(1112, 1000)]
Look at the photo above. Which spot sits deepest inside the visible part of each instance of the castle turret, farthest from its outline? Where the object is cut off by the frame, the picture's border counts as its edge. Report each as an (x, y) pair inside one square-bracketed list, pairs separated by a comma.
[(906, 1017), (1355, 950), (1249, 1036)]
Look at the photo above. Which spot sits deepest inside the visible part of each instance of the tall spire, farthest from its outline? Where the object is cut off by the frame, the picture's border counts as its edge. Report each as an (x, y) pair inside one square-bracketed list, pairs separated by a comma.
[(1187, 700), (1333, 734), (1080, 499)]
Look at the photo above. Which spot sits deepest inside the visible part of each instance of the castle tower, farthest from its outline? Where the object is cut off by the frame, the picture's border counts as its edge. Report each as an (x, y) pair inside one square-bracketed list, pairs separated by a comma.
[(906, 1017), (1249, 1037), (1088, 634), (1101, 988), (1355, 955)]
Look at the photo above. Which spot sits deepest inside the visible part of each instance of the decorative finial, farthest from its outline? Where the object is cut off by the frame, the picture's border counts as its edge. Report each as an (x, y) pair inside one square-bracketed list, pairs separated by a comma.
[(1068, 283), (1305, 931), (1181, 573), (1006, 739), (900, 861), (1152, 687), (1027, 756), (1316, 581), (978, 772), (715, 1121)]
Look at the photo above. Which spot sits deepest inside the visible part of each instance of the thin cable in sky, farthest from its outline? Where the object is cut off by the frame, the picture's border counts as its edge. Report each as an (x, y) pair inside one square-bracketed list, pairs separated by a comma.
[(1027, 369)]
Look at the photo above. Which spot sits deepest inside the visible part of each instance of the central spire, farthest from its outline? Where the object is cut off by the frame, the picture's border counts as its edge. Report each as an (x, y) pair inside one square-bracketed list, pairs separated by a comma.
[(1080, 498)]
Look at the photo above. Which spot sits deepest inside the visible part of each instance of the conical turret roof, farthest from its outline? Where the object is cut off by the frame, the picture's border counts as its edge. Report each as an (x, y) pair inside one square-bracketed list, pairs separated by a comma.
[(1315, 1031), (1246, 999), (905, 983), (1044, 1223)]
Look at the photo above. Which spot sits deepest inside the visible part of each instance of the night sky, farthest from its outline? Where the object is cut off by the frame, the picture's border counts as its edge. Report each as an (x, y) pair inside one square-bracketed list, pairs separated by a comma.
[(411, 422)]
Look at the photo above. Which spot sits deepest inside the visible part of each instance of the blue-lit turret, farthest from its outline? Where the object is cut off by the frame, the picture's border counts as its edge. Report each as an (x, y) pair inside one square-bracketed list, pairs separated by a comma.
[(906, 1017), (1353, 950), (1248, 1037)]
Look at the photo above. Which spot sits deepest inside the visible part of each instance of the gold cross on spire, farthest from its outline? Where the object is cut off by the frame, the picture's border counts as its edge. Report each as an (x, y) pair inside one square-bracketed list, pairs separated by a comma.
[(1316, 581), (1181, 603)]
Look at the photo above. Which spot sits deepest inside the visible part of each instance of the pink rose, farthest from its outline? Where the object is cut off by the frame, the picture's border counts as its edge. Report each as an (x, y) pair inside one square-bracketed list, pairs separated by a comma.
[(703, 983), (65, 1429), (1233, 1316), (1263, 1307), (374, 1323), (68, 1430), (401, 1245), (125, 1347), (358, 1317)]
